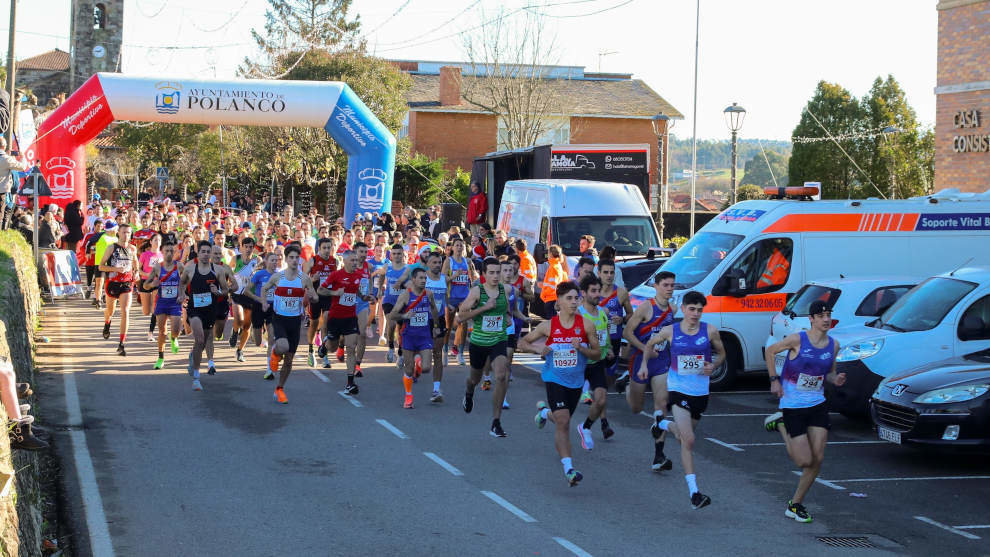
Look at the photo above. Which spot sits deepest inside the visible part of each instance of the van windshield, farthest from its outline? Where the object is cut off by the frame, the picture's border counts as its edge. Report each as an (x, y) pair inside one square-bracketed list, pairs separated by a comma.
[(925, 305), (695, 259), (629, 235)]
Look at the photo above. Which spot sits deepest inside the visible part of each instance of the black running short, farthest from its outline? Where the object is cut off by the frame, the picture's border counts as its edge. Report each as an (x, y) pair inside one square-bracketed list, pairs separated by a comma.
[(287, 328), (694, 404), (798, 420), (115, 289), (560, 397), (222, 308), (481, 354), (260, 318), (512, 341), (387, 308), (317, 308), (243, 300), (594, 374), (206, 315), (341, 327), (142, 289)]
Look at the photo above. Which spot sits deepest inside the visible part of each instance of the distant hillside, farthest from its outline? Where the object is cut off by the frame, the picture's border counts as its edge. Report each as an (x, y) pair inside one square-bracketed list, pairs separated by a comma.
[(714, 155)]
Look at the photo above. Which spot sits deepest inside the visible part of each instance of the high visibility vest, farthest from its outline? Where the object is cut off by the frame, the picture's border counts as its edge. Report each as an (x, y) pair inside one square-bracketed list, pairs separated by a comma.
[(555, 275), (776, 271), (527, 266)]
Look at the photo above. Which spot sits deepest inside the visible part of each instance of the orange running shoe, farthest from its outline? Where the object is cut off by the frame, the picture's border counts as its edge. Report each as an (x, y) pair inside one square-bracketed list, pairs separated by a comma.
[(409, 402), (340, 354), (273, 361), (280, 396)]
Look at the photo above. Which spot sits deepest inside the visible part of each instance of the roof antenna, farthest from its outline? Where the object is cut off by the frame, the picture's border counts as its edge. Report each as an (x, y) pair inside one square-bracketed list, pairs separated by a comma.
[(953, 272)]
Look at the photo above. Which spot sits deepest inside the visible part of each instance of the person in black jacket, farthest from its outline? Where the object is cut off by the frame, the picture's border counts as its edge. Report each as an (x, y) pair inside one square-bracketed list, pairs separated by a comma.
[(74, 222)]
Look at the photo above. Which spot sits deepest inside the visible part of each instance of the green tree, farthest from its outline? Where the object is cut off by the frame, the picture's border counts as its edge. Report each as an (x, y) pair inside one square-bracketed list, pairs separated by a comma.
[(892, 159), (161, 144), (757, 172), (749, 191)]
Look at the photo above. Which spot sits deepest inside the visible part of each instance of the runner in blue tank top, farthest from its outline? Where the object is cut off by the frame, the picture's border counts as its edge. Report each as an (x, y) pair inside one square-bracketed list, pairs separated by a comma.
[(800, 386), (165, 278), (390, 293), (436, 283), (461, 274), (615, 300), (415, 308), (695, 351), (650, 318)]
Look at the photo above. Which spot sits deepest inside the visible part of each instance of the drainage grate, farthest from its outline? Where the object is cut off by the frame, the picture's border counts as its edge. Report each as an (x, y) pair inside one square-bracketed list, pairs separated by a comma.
[(845, 541)]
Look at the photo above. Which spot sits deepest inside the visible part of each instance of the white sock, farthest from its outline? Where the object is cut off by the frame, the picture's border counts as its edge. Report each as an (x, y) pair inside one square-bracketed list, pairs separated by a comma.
[(658, 415), (210, 363), (567, 464), (436, 385), (692, 482), (544, 413), (665, 425)]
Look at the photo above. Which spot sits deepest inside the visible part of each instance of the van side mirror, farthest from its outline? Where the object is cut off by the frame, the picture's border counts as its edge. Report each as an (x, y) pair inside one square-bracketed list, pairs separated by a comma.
[(736, 284)]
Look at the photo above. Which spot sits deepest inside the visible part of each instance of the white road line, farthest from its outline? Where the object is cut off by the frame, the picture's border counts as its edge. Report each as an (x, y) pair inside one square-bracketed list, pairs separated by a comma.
[(724, 444), (572, 548), (319, 374), (932, 478), (96, 519), (354, 402), (508, 506), (392, 428), (781, 444), (973, 527), (947, 528), (444, 464), (825, 483)]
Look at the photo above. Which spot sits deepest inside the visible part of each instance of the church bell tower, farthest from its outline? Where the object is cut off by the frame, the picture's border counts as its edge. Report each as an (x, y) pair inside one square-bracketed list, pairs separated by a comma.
[(97, 31)]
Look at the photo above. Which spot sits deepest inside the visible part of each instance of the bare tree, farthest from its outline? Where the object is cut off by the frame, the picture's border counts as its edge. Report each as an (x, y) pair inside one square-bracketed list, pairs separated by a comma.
[(509, 59)]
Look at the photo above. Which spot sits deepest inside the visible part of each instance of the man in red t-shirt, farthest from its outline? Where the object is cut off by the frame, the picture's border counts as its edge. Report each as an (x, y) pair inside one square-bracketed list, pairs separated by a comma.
[(343, 286)]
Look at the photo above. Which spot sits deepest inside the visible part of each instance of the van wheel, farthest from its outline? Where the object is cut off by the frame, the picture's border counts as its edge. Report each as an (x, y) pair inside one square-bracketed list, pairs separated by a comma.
[(724, 376)]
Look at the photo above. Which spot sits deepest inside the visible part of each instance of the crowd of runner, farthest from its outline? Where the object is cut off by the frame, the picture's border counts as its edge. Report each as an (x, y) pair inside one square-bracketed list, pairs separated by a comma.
[(281, 278)]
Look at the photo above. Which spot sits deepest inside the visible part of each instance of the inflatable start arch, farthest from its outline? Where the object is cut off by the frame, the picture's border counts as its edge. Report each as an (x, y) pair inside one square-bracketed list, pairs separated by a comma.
[(105, 97)]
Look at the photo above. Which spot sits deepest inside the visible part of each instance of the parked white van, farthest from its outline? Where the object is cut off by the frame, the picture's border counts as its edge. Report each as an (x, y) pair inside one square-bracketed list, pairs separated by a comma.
[(946, 316), (561, 211), (755, 254)]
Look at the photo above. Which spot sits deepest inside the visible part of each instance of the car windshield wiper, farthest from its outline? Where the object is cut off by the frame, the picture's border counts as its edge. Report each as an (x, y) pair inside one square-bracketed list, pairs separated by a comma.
[(894, 328)]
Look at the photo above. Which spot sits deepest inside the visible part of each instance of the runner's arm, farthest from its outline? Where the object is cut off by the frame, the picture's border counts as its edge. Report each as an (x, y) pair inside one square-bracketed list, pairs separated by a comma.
[(716, 341), (629, 333), (400, 302), (464, 311), (593, 350), (790, 342), (627, 305), (837, 379), (655, 339), (530, 342), (308, 285), (152, 281)]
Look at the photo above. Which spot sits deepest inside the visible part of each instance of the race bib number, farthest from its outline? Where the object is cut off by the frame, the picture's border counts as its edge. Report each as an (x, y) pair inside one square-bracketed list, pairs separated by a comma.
[(809, 382), (613, 329), (491, 323), (565, 358), (348, 299), (289, 306), (691, 365), (202, 300), (460, 278), (271, 295), (170, 291), (602, 338), (419, 319), (364, 286), (393, 291)]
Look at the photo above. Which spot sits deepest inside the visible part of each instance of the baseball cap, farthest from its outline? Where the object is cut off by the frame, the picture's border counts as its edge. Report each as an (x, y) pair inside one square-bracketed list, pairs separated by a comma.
[(246, 225), (818, 307), (110, 224)]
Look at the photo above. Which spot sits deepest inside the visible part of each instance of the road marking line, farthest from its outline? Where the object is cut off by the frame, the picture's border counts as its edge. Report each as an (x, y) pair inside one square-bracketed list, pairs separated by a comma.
[(780, 444), (392, 428), (320, 375), (508, 506), (96, 519), (825, 483), (973, 527), (913, 479), (947, 528), (444, 464), (724, 444), (354, 402), (572, 548)]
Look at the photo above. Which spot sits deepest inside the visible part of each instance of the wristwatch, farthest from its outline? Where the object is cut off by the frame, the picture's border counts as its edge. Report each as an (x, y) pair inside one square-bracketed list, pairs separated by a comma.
[(774, 378)]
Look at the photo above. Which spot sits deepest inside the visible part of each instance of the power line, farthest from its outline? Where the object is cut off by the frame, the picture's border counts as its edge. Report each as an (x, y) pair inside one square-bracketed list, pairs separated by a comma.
[(222, 26), (603, 10), (390, 18), (137, 4), (435, 29), (461, 32)]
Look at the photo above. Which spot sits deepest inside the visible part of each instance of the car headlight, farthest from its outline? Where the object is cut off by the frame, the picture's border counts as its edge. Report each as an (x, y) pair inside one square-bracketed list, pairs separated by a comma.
[(959, 393), (859, 351)]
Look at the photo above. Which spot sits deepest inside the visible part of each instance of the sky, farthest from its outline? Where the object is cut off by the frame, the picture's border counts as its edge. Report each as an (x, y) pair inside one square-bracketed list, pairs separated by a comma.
[(766, 55)]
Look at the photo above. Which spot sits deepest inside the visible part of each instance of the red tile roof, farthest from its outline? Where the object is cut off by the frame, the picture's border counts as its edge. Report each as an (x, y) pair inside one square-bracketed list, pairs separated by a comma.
[(55, 60)]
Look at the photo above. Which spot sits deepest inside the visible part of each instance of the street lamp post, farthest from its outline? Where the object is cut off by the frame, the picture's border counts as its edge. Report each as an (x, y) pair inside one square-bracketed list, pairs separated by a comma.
[(890, 151), (734, 116), (661, 123)]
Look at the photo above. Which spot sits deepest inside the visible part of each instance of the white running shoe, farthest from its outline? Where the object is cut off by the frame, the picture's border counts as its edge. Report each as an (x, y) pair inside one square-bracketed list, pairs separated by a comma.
[(151, 337), (197, 386), (390, 356), (585, 435), (460, 358)]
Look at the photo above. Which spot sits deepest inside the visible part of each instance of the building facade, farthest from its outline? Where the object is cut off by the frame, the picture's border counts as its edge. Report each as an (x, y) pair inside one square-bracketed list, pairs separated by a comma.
[(96, 30), (962, 113)]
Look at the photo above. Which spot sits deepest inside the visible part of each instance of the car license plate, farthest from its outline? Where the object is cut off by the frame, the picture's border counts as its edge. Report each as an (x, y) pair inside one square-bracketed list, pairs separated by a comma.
[(889, 435)]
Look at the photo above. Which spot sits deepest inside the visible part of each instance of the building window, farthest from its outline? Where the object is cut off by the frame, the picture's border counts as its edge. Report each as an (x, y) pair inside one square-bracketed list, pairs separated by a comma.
[(404, 130), (99, 16), (557, 132)]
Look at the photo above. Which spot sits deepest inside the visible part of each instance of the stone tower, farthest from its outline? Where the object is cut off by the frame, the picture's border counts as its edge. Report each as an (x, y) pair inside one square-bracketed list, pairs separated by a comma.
[(97, 30)]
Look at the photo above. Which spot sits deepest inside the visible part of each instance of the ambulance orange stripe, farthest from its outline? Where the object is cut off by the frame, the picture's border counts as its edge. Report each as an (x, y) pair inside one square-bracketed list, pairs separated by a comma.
[(755, 303), (862, 222)]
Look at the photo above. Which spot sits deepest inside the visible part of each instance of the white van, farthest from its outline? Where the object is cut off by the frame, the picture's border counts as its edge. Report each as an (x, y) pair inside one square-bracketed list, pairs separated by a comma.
[(561, 211), (755, 254)]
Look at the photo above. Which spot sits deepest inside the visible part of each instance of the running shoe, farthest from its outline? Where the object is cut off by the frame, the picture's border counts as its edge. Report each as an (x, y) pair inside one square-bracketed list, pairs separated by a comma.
[(467, 403), (505, 404), (196, 385), (159, 363), (607, 432), (273, 361), (382, 341), (279, 396), (585, 397), (772, 422), (573, 477), (539, 419), (351, 390), (454, 351), (797, 512), (497, 430), (486, 385), (233, 338), (622, 382), (240, 355), (151, 337), (699, 500), (661, 462), (175, 346), (212, 370), (189, 368), (120, 349), (269, 376), (321, 351), (106, 331), (408, 404), (460, 359), (585, 434), (326, 362), (311, 358), (390, 356), (357, 370), (340, 354), (437, 397)]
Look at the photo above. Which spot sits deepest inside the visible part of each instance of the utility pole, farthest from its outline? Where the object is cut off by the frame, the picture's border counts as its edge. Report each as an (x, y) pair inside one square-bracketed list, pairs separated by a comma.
[(10, 72), (72, 48)]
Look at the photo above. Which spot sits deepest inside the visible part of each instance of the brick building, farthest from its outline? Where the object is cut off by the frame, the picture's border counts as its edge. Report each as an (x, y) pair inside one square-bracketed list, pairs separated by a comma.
[(600, 108), (962, 128), (46, 75)]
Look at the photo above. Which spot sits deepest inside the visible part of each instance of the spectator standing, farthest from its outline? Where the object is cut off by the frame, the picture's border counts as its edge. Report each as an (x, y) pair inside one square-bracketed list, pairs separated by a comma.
[(7, 189), (477, 207), (49, 233), (74, 224)]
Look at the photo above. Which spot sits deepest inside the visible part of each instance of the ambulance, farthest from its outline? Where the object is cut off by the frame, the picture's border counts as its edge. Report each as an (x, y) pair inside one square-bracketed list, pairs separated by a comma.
[(753, 256)]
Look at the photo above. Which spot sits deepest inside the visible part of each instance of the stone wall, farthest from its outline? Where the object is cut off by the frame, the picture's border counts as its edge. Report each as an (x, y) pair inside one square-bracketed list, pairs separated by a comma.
[(20, 301)]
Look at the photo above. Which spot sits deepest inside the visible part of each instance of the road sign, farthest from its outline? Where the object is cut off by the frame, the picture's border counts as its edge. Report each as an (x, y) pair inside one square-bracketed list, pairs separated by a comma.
[(162, 173)]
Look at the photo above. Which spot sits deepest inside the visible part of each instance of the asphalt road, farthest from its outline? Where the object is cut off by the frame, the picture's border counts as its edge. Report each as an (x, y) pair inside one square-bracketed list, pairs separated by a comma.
[(228, 472)]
